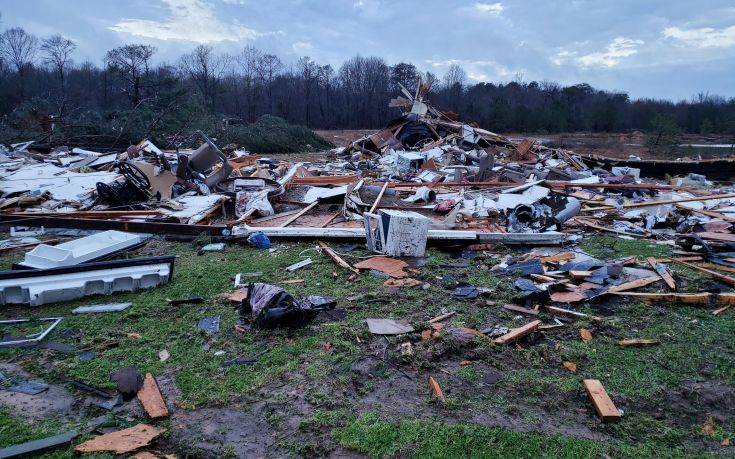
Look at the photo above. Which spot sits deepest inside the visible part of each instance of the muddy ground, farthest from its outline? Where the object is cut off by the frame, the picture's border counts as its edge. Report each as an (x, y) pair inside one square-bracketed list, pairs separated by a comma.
[(331, 389)]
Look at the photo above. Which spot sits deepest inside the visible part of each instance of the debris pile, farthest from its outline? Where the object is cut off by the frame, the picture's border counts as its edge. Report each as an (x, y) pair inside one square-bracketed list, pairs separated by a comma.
[(426, 179)]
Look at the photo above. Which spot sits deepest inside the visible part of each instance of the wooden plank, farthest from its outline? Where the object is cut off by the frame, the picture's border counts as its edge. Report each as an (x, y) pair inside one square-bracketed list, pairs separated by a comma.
[(151, 399), (518, 333), (121, 441), (580, 274), (638, 342), (336, 258), (275, 216), (300, 213), (708, 213), (380, 196), (569, 313), (723, 237), (436, 389), (728, 269), (321, 180), (604, 406), (602, 228), (721, 277), (687, 298), (663, 273), (637, 283), (521, 309), (330, 219), (669, 201), (566, 256), (442, 317)]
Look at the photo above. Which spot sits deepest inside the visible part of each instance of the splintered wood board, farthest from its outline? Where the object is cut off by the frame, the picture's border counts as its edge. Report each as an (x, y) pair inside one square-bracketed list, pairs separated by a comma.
[(603, 404)]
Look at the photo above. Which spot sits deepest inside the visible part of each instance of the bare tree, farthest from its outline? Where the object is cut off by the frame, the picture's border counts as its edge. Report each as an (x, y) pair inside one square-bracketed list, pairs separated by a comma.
[(249, 61), (455, 76), (205, 68), (18, 48), (405, 74), (57, 51), (269, 67), (132, 63)]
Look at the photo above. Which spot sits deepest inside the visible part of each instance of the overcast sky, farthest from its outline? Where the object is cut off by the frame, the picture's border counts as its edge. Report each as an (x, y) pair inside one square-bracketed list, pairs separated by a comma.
[(653, 48)]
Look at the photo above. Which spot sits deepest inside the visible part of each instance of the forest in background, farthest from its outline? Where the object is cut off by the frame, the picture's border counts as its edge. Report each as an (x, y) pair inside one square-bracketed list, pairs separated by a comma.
[(44, 94)]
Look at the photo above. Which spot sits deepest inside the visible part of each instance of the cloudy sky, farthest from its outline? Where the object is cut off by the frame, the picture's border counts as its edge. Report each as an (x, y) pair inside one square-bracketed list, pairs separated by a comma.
[(654, 48)]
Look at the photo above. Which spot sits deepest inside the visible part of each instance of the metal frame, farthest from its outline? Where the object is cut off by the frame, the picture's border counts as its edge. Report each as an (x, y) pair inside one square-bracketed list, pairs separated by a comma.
[(29, 340)]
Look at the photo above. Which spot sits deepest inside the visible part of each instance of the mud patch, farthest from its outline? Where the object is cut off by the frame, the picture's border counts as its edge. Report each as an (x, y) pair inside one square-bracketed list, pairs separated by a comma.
[(213, 432), (694, 401), (55, 403)]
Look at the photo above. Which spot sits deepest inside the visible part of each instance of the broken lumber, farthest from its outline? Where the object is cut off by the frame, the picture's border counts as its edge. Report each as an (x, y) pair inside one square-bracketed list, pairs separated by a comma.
[(299, 214), (668, 201), (687, 298), (663, 273), (121, 442), (436, 389), (569, 313), (638, 342), (578, 275), (380, 196), (442, 317), (703, 298), (151, 399), (521, 309), (637, 283), (336, 258), (604, 406), (518, 333), (721, 277), (566, 256), (602, 228)]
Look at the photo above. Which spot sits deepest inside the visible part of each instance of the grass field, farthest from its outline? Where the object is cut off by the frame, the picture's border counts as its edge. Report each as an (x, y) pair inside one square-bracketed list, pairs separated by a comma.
[(332, 388)]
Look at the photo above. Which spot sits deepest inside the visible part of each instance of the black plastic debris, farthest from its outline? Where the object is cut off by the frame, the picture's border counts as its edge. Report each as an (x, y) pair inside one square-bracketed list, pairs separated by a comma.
[(465, 291), (86, 356), (91, 389), (58, 347), (34, 448), (585, 265), (209, 324), (530, 293), (28, 387), (194, 299), (525, 268), (271, 306), (128, 381)]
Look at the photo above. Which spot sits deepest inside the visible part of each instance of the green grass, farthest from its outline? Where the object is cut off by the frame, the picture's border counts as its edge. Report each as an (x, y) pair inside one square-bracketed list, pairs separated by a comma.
[(607, 247), (695, 346), (422, 439), (14, 431), (428, 439)]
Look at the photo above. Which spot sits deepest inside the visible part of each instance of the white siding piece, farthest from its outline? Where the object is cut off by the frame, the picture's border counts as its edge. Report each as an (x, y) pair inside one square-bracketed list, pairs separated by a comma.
[(80, 250), (52, 288)]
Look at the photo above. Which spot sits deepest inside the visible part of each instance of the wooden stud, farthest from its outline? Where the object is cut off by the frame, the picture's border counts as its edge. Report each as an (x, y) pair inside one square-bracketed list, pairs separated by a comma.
[(603, 404), (663, 273), (638, 342), (380, 196), (518, 333), (302, 212)]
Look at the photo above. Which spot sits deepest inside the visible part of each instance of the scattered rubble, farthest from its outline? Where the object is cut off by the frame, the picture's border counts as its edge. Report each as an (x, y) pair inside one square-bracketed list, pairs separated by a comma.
[(426, 179)]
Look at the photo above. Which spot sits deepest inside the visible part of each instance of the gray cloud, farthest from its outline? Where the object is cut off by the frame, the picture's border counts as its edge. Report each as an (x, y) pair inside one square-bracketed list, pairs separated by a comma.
[(657, 48)]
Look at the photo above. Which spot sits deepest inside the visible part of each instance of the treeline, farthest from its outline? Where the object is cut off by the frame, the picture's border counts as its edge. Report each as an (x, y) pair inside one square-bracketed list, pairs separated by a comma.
[(42, 87)]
